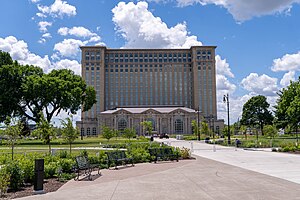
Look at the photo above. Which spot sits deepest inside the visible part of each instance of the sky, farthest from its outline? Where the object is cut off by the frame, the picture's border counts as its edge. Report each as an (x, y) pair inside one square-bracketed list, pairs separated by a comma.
[(258, 42)]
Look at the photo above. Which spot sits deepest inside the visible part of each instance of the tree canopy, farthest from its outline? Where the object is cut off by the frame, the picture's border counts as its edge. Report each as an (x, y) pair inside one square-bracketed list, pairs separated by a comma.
[(255, 112), (288, 106), (28, 91)]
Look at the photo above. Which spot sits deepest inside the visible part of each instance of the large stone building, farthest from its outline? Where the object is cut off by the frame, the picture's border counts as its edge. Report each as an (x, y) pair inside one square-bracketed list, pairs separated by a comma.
[(165, 86)]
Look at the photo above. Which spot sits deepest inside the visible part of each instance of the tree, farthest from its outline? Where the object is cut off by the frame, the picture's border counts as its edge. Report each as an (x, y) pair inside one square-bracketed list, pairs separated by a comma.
[(243, 129), (204, 128), (56, 91), (129, 133), (270, 130), (147, 126), (45, 131), (69, 133), (5, 58), (12, 132), (288, 106), (27, 91), (255, 112), (107, 133), (195, 127)]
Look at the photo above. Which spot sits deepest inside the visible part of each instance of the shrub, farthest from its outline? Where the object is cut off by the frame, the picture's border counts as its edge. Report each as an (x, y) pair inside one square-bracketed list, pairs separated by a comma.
[(16, 175), (84, 153), (65, 177), (63, 154), (66, 165), (27, 167), (185, 153), (4, 182), (139, 155), (50, 169)]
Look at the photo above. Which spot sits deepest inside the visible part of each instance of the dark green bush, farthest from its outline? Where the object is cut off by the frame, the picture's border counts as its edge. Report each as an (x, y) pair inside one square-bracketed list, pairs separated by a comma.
[(50, 170), (27, 167), (63, 154), (16, 175), (66, 165)]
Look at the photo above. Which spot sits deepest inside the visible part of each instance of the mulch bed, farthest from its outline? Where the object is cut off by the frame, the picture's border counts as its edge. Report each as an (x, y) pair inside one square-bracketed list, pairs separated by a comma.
[(50, 185)]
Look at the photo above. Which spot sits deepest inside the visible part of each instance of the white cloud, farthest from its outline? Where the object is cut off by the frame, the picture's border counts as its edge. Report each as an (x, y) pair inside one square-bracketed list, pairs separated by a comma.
[(18, 49), (46, 35), (243, 10), (287, 78), (289, 62), (41, 15), (79, 32), (68, 64), (35, 1), (58, 9), (43, 25), (263, 85), (69, 47), (223, 67), (141, 29)]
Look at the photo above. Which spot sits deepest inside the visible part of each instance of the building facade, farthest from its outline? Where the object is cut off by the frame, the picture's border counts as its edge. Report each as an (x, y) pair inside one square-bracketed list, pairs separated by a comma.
[(148, 78)]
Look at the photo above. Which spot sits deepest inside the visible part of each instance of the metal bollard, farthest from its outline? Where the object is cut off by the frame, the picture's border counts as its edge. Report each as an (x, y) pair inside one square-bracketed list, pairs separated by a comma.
[(39, 176), (192, 147)]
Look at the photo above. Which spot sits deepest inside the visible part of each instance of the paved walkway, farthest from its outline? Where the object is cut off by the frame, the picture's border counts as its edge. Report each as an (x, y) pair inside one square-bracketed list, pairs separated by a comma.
[(281, 165), (201, 178)]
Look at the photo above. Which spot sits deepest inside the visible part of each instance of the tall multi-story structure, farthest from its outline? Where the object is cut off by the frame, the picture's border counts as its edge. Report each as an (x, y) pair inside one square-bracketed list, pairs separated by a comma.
[(148, 78)]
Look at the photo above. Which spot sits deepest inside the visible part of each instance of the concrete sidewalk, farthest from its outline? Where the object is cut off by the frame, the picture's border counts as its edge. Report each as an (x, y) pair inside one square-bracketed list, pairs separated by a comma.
[(281, 165), (201, 178)]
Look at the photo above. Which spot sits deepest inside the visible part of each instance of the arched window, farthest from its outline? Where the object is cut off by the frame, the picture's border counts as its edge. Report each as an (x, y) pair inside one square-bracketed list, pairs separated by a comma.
[(94, 131), (88, 131), (178, 126), (122, 124), (82, 131)]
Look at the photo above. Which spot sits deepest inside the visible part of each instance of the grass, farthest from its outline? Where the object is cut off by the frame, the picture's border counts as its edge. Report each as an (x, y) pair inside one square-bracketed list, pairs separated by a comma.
[(29, 145)]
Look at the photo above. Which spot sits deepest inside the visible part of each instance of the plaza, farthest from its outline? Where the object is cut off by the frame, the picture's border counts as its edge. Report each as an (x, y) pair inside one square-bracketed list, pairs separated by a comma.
[(226, 173)]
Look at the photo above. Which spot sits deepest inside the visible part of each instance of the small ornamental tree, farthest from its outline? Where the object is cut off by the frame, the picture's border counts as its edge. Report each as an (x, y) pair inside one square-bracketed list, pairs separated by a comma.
[(196, 129), (12, 132), (147, 125), (129, 133), (107, 133), (69, 133), (45, 131)]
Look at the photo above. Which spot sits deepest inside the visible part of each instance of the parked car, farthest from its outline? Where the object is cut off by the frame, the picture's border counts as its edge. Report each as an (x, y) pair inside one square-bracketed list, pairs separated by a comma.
[(163, 135)]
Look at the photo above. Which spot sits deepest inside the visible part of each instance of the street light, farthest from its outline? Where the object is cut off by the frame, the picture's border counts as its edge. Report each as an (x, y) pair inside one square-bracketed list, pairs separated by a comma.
[(198, 120), (226, 99)]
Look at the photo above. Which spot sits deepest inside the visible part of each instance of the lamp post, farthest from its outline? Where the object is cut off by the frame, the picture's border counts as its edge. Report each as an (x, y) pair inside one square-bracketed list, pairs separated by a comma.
[(226, 100), (213, 126), (81, 132), (198, 122)]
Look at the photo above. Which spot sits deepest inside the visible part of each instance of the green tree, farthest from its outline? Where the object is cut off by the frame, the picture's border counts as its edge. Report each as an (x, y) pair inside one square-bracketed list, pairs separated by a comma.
[(45, 131), (270, 130), (243, 129), (195, 127), (5, 58), (129, 133), (147, 126), (255, 112), (288, 106), (27, 91), (204, 128), (12, 133), (69, 133), (107, 133)]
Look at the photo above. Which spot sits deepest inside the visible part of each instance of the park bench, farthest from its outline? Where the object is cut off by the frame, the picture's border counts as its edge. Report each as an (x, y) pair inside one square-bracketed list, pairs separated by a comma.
[(84, 168), (118, 158), (163, 153)]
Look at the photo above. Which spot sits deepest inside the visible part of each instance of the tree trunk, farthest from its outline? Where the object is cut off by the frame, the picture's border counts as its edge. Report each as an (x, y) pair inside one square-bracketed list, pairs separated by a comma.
[(70, 148), (49, 148)]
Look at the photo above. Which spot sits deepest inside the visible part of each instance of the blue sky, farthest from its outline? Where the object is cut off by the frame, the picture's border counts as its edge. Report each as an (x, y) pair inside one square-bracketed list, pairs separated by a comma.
[(258, 41)]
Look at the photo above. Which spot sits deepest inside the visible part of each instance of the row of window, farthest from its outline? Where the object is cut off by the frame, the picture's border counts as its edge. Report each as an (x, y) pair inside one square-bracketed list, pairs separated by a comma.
[(88, 131), (139, 70), (178, 125)]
